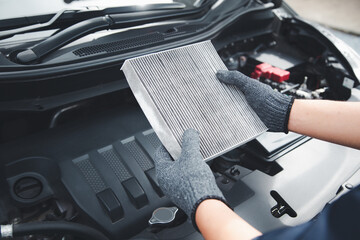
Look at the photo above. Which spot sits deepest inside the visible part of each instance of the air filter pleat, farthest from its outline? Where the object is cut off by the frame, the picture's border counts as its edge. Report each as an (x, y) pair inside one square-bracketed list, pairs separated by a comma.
[(183, 92)]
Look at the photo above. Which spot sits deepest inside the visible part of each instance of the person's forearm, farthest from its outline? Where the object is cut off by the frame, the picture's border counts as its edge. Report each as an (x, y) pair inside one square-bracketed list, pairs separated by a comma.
[(333, 121), (217, 221)]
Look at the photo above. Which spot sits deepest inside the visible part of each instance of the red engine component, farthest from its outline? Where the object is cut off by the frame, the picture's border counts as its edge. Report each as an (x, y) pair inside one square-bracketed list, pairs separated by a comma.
[(267, 71)]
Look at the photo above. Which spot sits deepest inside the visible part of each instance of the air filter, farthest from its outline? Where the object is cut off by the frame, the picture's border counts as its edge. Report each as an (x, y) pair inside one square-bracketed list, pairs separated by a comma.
[(178, 89)]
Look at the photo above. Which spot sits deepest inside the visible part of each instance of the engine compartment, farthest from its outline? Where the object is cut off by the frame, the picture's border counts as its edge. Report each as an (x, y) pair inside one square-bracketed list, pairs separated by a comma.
[(316, 76), (91, 161)]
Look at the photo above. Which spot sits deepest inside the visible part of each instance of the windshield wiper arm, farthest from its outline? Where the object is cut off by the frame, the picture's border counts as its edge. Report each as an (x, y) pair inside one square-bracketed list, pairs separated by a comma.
[(67, 35), (80, 29), (91, 13), (12, 32), (35, 53)]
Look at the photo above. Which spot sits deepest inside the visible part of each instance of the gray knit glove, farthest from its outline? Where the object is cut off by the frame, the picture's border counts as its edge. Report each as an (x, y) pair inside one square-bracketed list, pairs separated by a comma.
[(188, 180), (272, 107)]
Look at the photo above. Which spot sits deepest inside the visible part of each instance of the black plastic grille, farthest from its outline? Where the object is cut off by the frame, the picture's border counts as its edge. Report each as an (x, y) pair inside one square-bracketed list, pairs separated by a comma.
[(120, 45)]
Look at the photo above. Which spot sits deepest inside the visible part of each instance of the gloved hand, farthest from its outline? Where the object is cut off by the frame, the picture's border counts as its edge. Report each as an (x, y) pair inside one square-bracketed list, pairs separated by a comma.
[(271, 106), (188, 180)]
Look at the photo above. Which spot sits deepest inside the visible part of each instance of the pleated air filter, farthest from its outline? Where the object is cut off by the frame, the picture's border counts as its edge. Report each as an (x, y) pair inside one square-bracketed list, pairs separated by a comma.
[(178, 89)]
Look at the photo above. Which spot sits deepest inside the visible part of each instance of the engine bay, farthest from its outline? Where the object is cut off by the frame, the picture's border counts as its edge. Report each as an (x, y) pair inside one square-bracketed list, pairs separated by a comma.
[(90, 161), (278, 64)]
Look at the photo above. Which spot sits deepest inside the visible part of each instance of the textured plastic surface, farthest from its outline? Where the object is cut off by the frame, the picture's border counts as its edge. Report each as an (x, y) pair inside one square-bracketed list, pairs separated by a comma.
[(115, 163), (177, 89), (90, 173)]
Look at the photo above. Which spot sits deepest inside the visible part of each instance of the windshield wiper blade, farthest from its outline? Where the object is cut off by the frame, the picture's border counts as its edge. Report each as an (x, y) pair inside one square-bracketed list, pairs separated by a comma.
[(91, 13)]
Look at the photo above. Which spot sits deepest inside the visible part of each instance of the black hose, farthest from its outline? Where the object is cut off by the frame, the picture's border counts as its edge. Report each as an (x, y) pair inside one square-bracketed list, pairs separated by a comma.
[(59, 227)]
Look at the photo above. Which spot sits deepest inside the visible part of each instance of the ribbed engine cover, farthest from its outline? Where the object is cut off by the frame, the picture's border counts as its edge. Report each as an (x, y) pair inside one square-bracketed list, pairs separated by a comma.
[(178, 89)]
